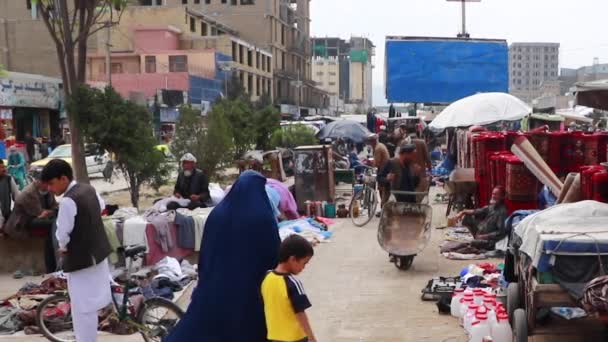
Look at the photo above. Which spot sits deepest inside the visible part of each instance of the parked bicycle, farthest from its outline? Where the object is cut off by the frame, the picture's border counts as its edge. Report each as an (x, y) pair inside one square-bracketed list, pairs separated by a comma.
[(153, 319), (365, 198)]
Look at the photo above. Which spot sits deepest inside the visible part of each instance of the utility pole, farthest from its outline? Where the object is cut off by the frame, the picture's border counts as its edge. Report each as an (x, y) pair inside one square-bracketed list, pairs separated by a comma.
[(109, 52), (464, 33)]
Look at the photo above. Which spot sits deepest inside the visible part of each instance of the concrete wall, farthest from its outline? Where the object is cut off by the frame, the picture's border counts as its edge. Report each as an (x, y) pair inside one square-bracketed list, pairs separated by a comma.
[(148, 84), (149, 39), (326, 71)]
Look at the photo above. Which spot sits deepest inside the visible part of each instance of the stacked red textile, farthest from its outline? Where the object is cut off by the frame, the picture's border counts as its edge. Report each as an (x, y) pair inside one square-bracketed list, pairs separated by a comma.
[(483, 145), (573, 152), (587, 173), (602, 148), (540, 141), (591, 142), (557, 143), (600, 186), (522, 186)]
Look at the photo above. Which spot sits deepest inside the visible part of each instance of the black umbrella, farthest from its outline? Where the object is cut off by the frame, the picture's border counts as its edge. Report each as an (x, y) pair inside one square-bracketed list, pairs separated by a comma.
[(345, 129)]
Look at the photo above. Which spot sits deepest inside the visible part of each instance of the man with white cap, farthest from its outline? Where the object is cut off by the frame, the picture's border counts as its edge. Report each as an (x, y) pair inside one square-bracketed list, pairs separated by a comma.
[(191, 184)]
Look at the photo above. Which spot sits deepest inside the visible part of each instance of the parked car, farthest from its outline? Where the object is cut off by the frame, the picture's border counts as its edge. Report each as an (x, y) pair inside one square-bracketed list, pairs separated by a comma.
[(96, 158)]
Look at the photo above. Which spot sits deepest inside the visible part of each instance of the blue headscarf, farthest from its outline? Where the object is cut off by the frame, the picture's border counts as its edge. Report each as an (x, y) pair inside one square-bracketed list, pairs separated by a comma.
[(240, 244)]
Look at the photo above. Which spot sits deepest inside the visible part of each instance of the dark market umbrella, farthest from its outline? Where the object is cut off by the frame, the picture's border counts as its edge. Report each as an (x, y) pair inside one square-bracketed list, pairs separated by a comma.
[(345, 129)]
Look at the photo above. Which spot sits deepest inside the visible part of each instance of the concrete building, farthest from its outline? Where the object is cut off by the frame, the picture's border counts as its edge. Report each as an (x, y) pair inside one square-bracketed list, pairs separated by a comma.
[(530, 65), (595, 72), (154, 36), (25, 43), (281, 27), (344, 69)]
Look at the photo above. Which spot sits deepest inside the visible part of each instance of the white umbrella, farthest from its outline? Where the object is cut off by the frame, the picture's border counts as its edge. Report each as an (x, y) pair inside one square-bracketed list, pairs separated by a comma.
[(481, 109)]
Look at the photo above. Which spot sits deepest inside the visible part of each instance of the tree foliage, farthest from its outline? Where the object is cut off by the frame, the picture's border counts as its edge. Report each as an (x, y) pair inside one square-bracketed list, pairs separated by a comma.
[(267, 120), (3, 72), (207, 138), (293, 136), (71, 24), (124, 129)]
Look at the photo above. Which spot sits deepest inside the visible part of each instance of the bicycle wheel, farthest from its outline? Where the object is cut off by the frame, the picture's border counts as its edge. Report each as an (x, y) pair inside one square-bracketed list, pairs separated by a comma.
[(157, 317), (54, 318), (366, 201)]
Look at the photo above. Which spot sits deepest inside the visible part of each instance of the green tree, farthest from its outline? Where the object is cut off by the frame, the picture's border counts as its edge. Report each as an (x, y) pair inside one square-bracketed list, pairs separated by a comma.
[(124, 129), (267, 120), (71, 24), (293, 136), (3, 72), (207, 138), (239, 114)]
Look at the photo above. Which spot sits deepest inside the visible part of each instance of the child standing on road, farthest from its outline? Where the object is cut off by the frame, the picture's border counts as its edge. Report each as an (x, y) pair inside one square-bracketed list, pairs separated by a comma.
[(284, 299)]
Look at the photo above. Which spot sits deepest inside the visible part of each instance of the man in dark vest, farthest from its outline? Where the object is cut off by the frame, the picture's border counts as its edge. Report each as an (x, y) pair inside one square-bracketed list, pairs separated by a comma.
[(404, 174), (192, 184), (8, 192), (84, 246)]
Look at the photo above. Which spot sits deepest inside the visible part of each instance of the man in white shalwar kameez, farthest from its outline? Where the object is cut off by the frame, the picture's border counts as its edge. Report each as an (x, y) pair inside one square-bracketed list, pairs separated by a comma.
[(83, 245)]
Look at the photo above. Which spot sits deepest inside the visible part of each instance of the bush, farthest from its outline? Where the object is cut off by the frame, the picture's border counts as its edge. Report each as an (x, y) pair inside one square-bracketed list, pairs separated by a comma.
[(293, 136)]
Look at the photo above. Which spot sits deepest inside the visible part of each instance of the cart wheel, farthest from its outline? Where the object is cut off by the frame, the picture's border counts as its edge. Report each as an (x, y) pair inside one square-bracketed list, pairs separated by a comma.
[(513, 300), (404, 263), (520, 326)]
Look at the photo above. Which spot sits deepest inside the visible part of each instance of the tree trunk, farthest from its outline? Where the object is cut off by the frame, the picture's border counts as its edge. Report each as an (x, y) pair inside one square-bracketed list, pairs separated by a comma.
[(134, 189)]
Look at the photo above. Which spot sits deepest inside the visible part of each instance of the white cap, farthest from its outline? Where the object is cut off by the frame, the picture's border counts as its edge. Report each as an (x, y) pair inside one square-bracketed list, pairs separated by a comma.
[(188, 157)]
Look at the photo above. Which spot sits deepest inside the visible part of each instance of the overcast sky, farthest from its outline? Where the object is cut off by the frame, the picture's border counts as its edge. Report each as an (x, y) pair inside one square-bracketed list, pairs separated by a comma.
[(580, 26)]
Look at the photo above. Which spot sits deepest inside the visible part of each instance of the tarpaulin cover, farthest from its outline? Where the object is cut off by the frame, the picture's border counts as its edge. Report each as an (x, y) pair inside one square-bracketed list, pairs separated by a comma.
[(443, 70), (566, 229)]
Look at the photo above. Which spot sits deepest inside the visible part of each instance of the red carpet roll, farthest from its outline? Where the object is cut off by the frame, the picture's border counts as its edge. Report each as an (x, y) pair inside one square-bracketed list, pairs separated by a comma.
[(522, 186), (587, 173), (600, 187)]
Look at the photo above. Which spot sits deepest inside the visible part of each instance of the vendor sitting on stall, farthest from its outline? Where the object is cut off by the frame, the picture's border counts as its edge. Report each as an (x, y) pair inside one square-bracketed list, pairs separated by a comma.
[(487, 224), (191, 184), (403, 174)]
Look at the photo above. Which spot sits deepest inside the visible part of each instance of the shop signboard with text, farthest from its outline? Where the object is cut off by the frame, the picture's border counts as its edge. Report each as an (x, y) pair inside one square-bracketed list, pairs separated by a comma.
[(32, 91)]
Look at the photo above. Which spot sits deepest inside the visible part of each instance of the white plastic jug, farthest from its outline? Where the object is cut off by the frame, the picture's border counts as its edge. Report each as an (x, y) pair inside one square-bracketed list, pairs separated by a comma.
[(464, 306), (479, 328), (470, 317), (479, 295), (455, 304), (501, 331)]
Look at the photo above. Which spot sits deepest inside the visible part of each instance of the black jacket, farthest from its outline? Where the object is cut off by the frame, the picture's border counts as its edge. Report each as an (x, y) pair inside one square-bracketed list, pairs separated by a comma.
[(197, 184)]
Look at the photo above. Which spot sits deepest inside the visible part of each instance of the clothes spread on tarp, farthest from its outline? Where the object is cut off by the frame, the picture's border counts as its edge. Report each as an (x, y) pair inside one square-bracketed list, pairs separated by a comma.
[(162, 223), (308, 228), (216, 194), (110, 228), (241, 242), (161, 205), (190, 226)]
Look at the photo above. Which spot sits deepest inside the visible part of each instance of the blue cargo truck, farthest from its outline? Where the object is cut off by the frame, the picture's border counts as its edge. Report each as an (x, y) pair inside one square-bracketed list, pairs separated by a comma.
[(443, 70)]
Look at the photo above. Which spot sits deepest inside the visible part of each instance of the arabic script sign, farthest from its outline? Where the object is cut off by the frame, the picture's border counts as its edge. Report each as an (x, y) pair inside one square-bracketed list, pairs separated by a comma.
[(24, 90)]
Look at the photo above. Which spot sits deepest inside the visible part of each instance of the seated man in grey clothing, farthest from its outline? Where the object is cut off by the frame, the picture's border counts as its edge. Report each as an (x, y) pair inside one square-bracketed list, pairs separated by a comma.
[(487, 224)]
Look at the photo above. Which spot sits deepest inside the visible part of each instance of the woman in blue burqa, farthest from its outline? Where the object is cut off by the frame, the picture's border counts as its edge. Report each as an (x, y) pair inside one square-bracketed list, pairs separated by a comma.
[(240, 244)]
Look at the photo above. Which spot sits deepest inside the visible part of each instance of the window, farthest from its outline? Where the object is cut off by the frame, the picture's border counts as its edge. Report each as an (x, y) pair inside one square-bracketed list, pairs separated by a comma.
[(546, 74), (332, 83), (204, 29), (178, 63), (117, 68), (234, 51), (192, 25), (233, 2), (198, 1), (320, 73), (150, 64), (213, 31), (223, 1), (249, 57), (258, 86), (241, 57), (332, 73), (184, 2), (247, 2), (282, 35), (257, 59)]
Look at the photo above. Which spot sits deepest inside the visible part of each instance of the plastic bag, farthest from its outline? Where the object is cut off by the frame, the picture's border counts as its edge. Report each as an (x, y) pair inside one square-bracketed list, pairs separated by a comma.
[(569, 312)]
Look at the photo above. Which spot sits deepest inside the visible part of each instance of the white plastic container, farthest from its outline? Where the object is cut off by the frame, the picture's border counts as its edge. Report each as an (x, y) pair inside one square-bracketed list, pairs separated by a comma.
[(455, 304), (479, 295), (465, 301), (479, 328), (469, 317), (501, 331)]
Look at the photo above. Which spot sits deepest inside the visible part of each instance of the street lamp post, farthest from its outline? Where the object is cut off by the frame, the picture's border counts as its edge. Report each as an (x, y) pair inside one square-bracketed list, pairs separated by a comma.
[(464, 33)]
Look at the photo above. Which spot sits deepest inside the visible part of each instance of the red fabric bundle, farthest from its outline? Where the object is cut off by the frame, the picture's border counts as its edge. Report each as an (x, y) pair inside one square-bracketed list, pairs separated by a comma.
[(602, 147), (522, 186), (600, 186), (497, 176), (540, 141), (573, 152), (591, 142), (510, 139), (587, 173), (513, 206), (483, 145), (557, 141)]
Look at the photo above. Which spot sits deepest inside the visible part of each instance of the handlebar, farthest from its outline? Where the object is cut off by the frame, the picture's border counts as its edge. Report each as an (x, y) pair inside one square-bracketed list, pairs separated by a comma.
[(396, 192)]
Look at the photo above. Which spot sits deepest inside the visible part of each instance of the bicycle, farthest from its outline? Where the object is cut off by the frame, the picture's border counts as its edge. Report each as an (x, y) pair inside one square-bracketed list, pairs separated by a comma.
[(365, 199), (153, 320)]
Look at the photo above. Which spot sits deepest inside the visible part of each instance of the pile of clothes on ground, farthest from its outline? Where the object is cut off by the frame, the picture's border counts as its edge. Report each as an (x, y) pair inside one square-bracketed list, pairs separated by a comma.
[(457, 246), (315, 230), (18, 312)]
